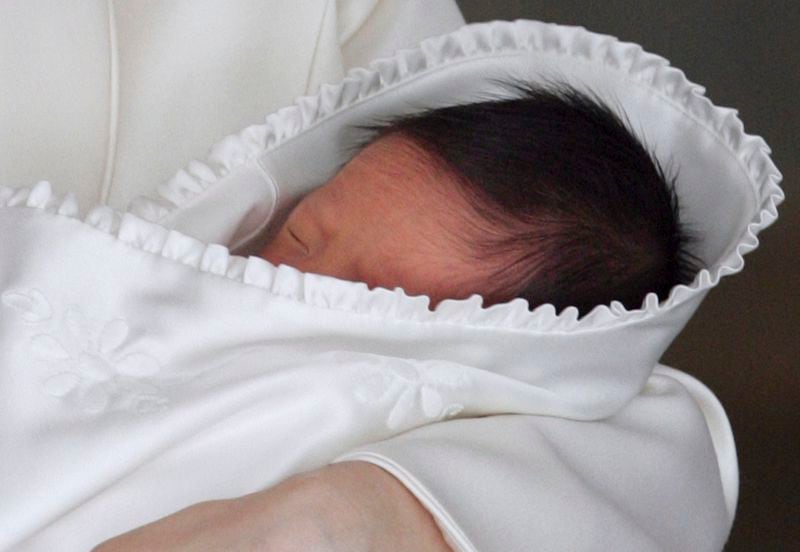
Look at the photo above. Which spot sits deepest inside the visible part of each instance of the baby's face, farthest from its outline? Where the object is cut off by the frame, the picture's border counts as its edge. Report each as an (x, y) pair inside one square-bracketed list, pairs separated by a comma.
[(389, 218)]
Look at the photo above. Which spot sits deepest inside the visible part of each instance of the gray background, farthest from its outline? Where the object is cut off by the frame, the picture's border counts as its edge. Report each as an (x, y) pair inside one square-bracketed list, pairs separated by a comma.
[(743, 342)]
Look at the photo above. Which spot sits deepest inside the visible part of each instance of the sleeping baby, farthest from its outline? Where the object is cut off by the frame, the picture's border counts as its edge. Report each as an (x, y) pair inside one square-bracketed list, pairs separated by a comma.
[(545, 196)]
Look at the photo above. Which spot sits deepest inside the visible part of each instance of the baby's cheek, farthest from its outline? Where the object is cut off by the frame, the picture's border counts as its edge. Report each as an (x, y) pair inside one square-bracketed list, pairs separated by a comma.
[(449, 280), (414, 274)]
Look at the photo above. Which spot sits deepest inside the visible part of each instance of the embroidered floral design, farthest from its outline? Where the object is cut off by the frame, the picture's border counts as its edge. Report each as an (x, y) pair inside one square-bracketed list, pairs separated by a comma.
[(93, 369), (32, 304), (413, 389)]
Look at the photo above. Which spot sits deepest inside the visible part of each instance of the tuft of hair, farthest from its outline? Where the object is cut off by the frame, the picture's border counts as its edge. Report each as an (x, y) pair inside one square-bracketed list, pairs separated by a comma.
[(579, 213)]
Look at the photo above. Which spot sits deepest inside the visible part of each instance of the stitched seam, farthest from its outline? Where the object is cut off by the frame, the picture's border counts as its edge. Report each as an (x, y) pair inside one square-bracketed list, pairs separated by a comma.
[(113, 104), (316, 44)]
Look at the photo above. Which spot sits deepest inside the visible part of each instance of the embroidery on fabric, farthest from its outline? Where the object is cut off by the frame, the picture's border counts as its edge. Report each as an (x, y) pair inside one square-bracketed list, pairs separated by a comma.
[(414, 390), (32, 305), (93, 369)]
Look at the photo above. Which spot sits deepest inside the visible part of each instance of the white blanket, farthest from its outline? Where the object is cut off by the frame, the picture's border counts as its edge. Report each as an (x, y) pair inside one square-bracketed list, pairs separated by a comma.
[(144, 371)]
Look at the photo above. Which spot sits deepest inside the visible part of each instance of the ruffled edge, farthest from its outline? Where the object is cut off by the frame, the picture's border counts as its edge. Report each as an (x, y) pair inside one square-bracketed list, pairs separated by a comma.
[(471, 41)]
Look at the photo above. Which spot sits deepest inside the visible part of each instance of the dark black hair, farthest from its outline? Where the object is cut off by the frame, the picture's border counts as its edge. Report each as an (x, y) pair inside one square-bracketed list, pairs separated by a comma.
[(584, 214)]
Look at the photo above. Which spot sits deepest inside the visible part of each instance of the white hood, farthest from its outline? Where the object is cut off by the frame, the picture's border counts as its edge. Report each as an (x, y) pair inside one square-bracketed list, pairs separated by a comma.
[(584, 368)]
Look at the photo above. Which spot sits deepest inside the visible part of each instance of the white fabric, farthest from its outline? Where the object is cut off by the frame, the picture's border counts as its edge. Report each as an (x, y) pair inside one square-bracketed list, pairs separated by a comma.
[(208, 377), (643, 479), (105, 98), (150, 355)]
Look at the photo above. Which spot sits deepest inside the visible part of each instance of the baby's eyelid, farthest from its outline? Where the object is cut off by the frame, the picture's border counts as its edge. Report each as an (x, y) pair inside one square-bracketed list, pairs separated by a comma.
[(298, 240)]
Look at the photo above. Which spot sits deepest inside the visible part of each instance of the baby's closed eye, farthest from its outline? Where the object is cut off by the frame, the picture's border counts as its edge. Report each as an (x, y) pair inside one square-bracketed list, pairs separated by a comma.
[(297, 239)]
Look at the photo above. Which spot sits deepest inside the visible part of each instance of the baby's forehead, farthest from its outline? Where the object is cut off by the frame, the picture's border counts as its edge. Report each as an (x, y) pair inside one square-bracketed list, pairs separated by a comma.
[(394, 163), (389, 183)]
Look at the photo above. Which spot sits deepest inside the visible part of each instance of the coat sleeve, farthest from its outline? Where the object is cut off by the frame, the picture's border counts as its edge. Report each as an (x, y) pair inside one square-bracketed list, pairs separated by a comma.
[(112, 111), (659, 475)]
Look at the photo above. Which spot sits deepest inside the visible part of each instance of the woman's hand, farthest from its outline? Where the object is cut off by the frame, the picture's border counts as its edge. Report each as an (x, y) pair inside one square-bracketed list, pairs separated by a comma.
[(347, 507)]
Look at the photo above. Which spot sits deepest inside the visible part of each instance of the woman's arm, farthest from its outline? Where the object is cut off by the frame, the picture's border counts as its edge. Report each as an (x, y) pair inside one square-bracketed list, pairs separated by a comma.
[(350, 506)]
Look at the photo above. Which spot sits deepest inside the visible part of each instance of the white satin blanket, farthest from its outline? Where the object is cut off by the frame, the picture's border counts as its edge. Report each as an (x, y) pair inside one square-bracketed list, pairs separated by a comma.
[(144, 371)]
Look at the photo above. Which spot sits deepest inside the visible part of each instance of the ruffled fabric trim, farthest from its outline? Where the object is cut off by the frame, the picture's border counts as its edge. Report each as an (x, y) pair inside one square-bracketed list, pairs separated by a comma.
[(472, 41)]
